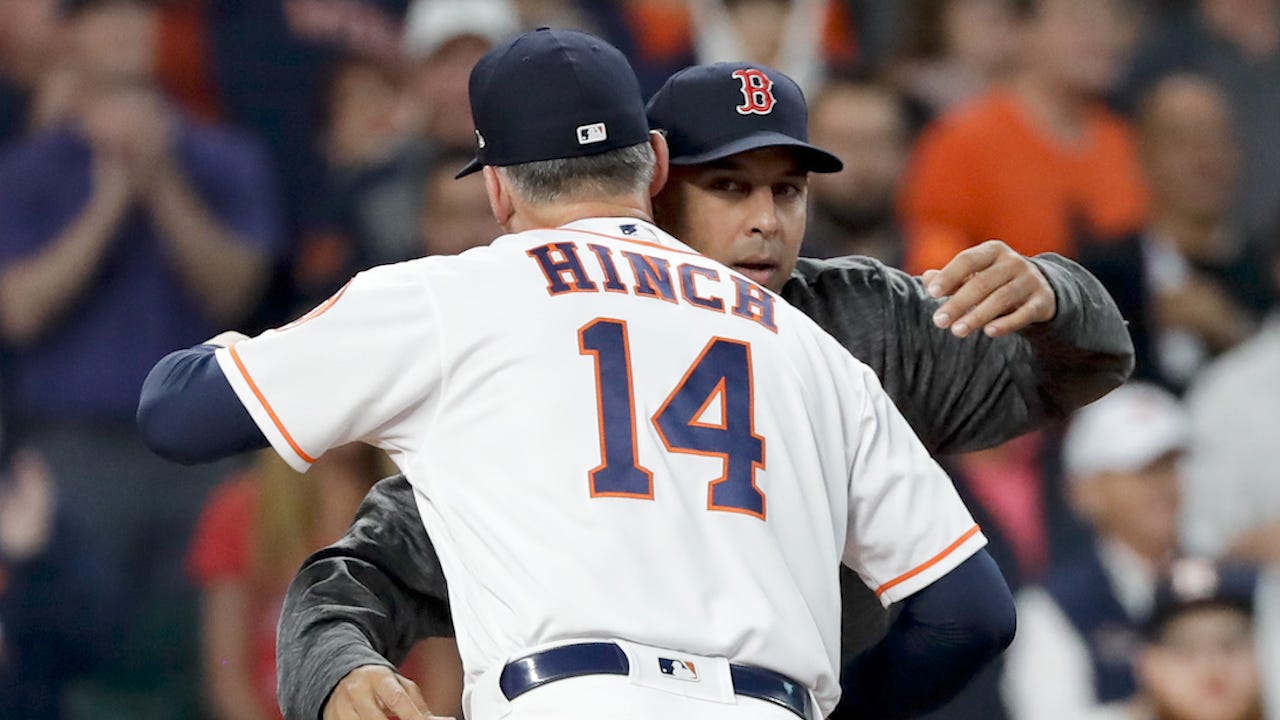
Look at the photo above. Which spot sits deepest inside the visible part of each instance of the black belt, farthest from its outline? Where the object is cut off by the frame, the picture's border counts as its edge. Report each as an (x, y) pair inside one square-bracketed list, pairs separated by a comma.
[(605, 658)]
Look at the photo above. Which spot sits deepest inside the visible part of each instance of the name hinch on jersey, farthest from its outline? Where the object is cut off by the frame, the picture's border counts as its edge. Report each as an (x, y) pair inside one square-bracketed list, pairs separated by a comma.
[(562, 264)]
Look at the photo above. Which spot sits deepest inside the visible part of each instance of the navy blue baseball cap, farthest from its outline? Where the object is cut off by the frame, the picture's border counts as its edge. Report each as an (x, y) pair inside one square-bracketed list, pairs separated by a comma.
[(710, 112), (551, 94)]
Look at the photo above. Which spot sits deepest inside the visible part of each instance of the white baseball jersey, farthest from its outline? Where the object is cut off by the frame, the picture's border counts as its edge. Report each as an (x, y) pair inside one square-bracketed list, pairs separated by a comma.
[(610, 436)]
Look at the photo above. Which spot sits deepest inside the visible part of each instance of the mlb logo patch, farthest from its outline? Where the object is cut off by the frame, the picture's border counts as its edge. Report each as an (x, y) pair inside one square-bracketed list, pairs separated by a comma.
[(678, 669), (628, 229), (594, 133)]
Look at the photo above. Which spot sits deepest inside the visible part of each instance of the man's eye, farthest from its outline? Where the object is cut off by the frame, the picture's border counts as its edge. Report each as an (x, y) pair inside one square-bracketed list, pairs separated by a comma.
[(786, 190), (726, 185)]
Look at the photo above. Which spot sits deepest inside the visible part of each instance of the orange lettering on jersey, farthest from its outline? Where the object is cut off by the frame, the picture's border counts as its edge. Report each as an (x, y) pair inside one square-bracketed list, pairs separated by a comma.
[(689, 287), (612, 283), (653, 276), (564, 270), (754, 303)]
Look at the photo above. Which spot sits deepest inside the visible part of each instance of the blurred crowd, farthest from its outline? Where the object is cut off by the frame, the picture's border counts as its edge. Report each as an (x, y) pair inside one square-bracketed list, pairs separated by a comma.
[(171, 168)]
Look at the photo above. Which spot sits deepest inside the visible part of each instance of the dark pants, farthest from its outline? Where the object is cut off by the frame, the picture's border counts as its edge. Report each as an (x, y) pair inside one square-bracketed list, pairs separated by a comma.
[(140, 512)]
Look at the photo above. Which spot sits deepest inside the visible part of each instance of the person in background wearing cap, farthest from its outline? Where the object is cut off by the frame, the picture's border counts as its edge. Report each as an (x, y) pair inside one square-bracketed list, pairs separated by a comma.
[(1055, 342), (1197, 659), (579, 158), (1078, 631)]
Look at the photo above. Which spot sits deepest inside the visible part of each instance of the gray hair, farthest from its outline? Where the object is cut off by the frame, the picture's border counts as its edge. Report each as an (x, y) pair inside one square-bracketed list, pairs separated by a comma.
[(611, 174)]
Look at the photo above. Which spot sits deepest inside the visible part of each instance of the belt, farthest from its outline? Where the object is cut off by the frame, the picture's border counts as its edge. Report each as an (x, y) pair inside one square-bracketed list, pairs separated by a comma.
[(606, 658)]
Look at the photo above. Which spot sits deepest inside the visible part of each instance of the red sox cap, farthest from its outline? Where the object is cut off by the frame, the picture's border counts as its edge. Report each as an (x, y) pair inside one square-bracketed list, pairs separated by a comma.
[(710, 112), (551, 94)]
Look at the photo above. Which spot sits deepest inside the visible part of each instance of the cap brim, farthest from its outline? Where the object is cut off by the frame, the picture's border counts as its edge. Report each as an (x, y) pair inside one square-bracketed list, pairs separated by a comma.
[(814, 158), (472, 167)]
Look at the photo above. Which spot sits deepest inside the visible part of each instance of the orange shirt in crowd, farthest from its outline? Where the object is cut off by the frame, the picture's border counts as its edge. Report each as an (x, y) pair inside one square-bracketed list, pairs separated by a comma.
[(986, 171)]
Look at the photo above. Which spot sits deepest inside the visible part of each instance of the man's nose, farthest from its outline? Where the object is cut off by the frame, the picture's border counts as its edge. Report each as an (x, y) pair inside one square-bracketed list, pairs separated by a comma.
[(764, 212)]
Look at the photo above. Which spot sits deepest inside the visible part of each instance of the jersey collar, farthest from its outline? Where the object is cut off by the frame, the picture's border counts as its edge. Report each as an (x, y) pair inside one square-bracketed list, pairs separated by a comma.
[(628, 229)]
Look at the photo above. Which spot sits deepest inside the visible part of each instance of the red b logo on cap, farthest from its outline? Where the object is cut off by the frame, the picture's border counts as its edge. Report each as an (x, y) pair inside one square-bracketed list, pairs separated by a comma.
[(757, 90)]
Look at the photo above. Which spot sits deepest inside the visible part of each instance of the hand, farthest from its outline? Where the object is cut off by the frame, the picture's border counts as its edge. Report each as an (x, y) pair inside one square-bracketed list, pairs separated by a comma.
[(991, 287), (148, 146), (26, 508), (373, 692), (1204, 308), (226, 339)]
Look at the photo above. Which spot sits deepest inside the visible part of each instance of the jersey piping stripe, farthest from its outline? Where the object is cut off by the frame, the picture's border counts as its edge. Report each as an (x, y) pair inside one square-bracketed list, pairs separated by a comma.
[(624, 239), (928, 563), (267, 406)]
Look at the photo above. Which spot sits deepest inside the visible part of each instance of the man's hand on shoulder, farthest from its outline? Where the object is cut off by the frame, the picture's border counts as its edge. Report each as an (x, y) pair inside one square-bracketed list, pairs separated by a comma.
[(992, 287), (374, 692)]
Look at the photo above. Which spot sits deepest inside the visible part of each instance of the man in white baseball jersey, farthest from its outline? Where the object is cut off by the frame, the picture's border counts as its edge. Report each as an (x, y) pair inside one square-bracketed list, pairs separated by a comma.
[(640, 468)]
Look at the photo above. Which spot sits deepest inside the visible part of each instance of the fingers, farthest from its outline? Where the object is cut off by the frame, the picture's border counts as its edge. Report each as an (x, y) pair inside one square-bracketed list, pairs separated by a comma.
[(373, 692), (415, 693), (1004, 293), (963, 266), (393, 696)]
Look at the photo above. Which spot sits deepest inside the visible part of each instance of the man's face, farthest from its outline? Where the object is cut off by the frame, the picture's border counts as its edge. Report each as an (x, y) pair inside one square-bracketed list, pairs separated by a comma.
[(455, 213), (1190, 151), (863, 126), (1139, 507), (440, 83), (746, 211), (1203, 667), (1079, 44)]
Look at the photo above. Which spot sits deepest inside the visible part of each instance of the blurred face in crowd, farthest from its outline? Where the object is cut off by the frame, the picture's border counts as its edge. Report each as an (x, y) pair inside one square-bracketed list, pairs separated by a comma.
[(863, 125), (28, 38), (1189, 149), (760, 25), (746, 211), (363, 100), (1139, 508), (981, 34), (1077, 45), (112, 43), (455, 213), (439, 83), (1203, 667)]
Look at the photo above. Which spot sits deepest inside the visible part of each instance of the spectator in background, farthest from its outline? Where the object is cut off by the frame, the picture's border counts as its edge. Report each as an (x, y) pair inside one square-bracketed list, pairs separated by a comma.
[(655, 35), (378, 189), (1233, 498), (31, 91), (366, 219), (1039, 163), (255, 531), (443, 39), (1193, 285), (1198, 659), (1236, 43), (852, 211), (952, 51), (270, 60), (1077, 633), (455, 212), (799, 37), (123, 231), (59, 612)]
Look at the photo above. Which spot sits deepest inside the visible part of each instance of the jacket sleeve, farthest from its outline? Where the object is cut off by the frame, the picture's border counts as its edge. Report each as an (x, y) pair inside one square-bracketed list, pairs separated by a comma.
[(968, 394), (365, 600)]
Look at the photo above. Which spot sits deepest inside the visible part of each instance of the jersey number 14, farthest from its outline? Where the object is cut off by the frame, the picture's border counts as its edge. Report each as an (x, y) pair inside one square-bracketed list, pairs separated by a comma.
[(722, 371)]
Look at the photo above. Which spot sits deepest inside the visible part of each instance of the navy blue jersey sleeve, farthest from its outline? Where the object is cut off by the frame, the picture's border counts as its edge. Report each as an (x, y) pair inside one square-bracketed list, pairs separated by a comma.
[(181, 382), (945, 634)]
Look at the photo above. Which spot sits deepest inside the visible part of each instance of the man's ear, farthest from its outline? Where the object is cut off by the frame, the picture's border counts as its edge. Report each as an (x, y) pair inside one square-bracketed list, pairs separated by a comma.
[(499, 196), (662, 168)]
